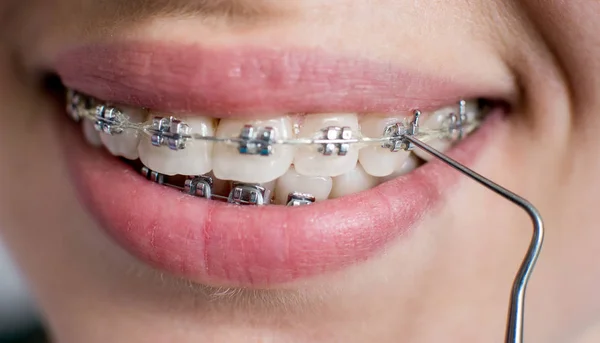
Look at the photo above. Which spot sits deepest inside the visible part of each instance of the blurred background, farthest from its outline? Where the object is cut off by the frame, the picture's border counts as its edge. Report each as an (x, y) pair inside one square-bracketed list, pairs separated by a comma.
[(19, 320)]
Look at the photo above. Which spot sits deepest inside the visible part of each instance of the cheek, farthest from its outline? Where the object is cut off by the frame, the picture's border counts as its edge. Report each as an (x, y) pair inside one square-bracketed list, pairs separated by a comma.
[(27, 151), (571, 30)]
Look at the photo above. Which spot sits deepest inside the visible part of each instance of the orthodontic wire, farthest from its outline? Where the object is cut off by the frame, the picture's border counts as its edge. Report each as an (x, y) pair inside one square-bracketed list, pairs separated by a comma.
[(111, 120), (146, 129), (516, 313)]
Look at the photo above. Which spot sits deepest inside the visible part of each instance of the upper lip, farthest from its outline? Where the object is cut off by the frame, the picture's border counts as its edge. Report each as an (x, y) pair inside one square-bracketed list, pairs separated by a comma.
[(256, 81)]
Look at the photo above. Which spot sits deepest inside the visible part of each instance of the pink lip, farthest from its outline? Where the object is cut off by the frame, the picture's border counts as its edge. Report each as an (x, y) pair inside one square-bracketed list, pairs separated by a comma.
[(251, 80), (220, 244)]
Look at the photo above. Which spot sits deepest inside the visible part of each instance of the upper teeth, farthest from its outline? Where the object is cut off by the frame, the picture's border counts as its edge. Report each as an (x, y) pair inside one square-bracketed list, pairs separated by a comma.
[(315, 150), (126, 143)]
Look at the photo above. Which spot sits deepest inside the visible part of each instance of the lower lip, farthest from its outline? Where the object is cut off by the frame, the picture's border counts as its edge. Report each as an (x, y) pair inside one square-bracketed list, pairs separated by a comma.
[(221, 244)]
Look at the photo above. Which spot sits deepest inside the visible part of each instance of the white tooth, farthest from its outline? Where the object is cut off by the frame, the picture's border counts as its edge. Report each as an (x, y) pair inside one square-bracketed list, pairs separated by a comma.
[(440, 117), (317, 186), (270, 186), (195, 159), (308, 161), (375, 159), (472, 109), (229, 164), (220, 187), (125, 144), (356, 180), (404, 167), (436, 120), (90, 134)]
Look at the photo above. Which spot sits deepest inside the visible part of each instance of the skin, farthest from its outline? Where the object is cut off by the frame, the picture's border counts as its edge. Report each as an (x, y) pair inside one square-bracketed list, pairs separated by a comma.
[(448, 281)]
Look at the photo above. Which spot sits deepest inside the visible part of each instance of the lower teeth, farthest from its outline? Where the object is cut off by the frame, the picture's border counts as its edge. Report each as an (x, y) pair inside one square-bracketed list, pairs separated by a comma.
[(238, 193)]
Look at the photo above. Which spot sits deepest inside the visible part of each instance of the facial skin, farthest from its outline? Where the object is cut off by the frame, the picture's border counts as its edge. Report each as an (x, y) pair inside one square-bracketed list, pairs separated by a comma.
[(448, 281)]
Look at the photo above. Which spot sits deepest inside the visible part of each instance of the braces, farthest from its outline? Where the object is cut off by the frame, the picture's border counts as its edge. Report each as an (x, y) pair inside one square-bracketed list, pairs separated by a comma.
[(260, 141), (336, 139), (107, 120), (240, 194), (200, 186), (169, 132), (252, 140), (248, 194), (300, 199), (333, 140), (153, 176)]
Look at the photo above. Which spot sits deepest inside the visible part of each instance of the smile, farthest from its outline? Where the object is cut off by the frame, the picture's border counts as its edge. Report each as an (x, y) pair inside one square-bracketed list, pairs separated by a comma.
[(260, 198)]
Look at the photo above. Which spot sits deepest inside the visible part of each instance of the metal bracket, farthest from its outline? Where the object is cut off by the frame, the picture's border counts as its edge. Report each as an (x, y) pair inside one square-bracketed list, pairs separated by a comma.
[(200, 186), (457, 122), (336, 135), (256, 141), (248, 194), (108, 120), (152, 175), (77, 104), (398, 132), (169, 132), (299, 199)]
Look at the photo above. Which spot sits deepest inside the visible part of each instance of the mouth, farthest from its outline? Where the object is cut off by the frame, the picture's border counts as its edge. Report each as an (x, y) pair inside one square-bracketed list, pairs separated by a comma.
[(245, 168)]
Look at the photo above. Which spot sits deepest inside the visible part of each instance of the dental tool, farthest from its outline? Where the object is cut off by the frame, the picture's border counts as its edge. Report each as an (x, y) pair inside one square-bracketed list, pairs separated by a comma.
[(516, 313), (404, 135)]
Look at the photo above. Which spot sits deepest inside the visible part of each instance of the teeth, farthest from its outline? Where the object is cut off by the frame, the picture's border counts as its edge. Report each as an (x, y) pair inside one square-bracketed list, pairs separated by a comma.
[(403, 167), (436, 121), (125, 144), (472, 109), (317, 186), (90, 134), (195, 159), (376, 160), (220, 187), (356, 180), (230, 165), (310, 162), (269, 186), (319, 170), (440, 119)]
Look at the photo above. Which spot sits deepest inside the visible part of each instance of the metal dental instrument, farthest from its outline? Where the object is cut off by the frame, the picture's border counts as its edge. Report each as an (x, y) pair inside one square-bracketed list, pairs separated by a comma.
[(514, 325)]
